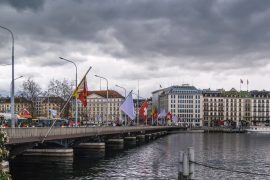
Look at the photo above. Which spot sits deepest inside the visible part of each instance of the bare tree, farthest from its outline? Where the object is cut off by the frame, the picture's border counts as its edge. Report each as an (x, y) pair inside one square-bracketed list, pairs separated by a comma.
[(61, 89), (31, 91)]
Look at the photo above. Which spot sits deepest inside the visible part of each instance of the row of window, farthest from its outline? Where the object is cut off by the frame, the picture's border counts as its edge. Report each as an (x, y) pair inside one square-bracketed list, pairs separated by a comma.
[(182, 106), (103, 104), (191, 120), (237, 100), (185, 96), (104, 100)]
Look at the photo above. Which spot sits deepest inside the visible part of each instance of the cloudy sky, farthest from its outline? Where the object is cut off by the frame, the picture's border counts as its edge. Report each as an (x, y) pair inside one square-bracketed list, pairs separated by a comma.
[(206, 43)]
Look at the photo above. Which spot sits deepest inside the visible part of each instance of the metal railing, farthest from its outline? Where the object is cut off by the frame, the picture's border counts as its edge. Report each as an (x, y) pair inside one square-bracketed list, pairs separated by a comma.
[(20, 135)]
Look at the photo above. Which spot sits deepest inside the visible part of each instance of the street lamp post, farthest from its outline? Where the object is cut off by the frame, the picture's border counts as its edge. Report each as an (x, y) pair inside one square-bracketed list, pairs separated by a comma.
[(18, 78), (14, 101), (125, 97), (15, 80), (76, 81), (12, 82), (107, 108)]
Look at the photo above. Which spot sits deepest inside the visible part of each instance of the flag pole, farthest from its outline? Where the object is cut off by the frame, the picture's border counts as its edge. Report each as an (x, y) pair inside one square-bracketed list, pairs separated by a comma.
[(64, 107), (54, 121), (83, 78), (146, 113), (240, 85)]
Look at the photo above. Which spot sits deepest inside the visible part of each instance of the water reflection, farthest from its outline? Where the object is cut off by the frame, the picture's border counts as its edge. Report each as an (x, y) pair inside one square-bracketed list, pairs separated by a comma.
[(157, 159), (41, 168)]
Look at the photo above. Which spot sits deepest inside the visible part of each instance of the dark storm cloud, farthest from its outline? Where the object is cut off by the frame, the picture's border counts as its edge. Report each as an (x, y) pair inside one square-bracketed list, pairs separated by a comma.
[(22, 5), (215, 33)]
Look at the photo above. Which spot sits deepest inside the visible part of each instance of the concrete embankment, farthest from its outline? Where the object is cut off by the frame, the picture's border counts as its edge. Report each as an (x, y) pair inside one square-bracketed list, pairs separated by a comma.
[(222, 130), (210, 130)]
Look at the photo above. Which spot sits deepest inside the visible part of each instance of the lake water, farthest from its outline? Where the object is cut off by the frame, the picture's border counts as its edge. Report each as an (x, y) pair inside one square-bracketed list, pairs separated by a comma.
[(159, 159)]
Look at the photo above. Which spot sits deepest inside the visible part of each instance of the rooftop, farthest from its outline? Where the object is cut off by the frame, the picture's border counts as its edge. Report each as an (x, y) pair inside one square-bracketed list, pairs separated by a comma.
[(17, 100), (103, 93)]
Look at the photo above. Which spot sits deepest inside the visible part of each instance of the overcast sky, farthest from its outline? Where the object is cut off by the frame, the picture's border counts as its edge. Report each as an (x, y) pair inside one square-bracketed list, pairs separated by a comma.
[(206, 43)]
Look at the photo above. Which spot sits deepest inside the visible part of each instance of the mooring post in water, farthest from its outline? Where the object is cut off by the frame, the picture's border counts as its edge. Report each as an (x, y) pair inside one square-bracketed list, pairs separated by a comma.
[(185, 166), (191, 157), (181, 154), (180, 170)]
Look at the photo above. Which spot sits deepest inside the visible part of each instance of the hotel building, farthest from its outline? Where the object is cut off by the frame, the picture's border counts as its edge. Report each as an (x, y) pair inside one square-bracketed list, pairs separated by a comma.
[(96, 110), (185, 102)]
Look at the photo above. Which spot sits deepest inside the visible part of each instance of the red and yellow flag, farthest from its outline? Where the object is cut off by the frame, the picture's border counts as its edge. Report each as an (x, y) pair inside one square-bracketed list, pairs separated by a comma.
[(81, 92), (154, 113)]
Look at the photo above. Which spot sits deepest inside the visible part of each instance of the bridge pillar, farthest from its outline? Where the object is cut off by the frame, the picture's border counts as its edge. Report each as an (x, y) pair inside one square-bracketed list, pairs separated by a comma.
[(49, 152), (154, 136), (148, 137), (130, 141), (90, 149), (141, 139), (115, 144)]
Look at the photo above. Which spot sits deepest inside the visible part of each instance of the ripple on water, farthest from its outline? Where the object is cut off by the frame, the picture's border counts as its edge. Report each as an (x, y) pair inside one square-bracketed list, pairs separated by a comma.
[(159, 160)]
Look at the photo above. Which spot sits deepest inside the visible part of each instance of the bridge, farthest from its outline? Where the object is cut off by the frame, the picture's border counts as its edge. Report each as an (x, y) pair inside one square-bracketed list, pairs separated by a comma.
[(24, 138), (26, 135)]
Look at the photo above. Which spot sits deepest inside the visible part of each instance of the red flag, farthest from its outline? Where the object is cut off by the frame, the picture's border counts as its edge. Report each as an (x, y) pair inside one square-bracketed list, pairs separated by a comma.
[(143, 110), (25, 113), (81, 92), (169, 116)]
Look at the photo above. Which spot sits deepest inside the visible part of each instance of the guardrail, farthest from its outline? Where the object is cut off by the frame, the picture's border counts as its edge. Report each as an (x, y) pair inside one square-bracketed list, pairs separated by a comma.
[(22, 135)]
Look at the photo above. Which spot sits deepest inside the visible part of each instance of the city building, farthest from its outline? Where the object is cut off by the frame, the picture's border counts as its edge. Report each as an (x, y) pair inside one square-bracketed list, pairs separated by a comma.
[(213, 107), (96, 110), (237, 107), (156, 96), (185, 102), (43, 104), (260, 107), (20, 104)]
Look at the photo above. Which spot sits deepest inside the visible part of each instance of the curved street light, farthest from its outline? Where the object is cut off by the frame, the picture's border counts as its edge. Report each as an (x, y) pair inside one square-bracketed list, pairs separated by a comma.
[(76, 81), (12, 82), (5, 64), (107, 108)]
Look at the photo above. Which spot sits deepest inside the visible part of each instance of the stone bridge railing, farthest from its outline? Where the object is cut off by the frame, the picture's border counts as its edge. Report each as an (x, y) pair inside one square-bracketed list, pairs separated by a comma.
[(24, 135)]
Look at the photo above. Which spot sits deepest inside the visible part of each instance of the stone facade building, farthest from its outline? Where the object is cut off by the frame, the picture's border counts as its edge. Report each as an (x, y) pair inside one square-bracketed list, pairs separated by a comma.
[(43, 104), (213, 107), (260, 107), (96, 110), (20, 104)]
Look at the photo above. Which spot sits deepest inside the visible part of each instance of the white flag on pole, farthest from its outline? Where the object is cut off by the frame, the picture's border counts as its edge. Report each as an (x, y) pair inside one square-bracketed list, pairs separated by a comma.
[(162, 114), (128, 107), (175, 119), (53, 112)]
